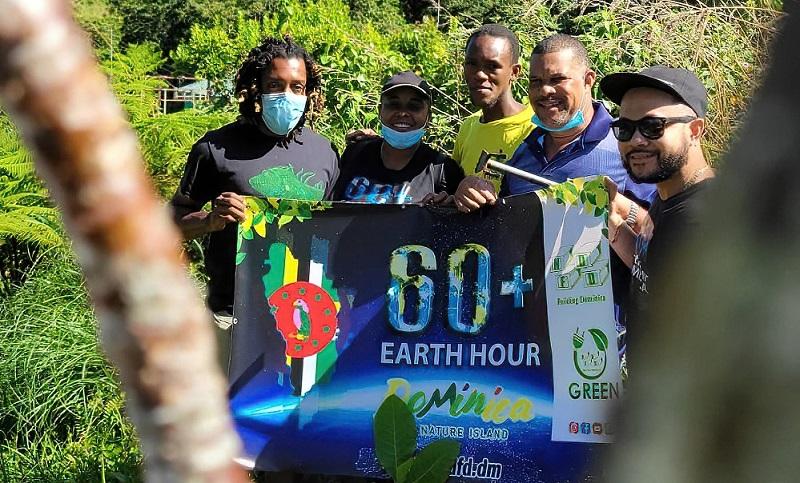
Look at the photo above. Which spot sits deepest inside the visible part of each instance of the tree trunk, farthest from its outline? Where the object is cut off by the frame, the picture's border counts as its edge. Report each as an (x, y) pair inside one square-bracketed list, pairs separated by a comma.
[(154, 326)]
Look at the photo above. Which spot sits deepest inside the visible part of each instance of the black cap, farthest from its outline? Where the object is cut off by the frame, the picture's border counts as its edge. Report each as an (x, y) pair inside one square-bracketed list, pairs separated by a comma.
[(681, 83), (407, 79)]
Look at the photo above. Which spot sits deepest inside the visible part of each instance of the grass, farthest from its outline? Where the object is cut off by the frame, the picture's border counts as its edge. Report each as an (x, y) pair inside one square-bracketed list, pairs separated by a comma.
[(61, 412)]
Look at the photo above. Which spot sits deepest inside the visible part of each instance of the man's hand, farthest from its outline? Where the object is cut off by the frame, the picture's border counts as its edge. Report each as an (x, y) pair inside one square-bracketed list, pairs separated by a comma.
[(621, 207), (615, 200), (441, 198), (622, 235), (474, 192), (226, 208), (359, 135)]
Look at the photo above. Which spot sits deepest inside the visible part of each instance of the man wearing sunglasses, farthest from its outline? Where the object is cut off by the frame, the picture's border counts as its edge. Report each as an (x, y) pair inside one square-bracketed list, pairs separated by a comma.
[(660, 126)]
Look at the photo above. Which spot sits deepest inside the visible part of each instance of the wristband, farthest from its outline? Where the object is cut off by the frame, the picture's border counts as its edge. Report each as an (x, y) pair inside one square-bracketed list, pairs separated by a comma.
[(632, 212)]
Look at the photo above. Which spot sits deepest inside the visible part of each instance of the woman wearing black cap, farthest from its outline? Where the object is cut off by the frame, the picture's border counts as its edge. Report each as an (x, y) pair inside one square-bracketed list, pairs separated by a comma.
[(398, 167)]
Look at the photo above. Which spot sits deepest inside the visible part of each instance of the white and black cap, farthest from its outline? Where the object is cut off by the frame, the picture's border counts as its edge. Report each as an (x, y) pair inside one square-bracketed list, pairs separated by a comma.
[(681, 83)]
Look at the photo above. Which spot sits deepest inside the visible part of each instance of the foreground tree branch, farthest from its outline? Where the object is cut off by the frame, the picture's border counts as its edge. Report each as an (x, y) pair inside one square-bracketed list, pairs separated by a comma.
[(154, 326)]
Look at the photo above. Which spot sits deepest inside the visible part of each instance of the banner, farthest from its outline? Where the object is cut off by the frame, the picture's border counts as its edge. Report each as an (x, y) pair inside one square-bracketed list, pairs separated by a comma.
[(495, 327)]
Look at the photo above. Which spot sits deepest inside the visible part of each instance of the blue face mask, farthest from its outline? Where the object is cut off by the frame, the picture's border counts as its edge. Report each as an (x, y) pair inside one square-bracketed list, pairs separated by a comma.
[(282, 111), (401, 140), (576, 121)]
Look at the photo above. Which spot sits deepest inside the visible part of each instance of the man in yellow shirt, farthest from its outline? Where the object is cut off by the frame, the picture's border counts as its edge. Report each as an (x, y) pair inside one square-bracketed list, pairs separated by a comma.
[(491, 66)]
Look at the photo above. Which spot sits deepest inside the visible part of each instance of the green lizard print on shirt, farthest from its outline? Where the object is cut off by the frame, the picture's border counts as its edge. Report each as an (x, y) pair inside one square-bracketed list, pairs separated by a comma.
[(283, 182)]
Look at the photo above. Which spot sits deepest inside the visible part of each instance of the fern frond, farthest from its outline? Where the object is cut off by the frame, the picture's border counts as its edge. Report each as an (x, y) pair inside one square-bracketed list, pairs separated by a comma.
[(26, 227), (17, 164)]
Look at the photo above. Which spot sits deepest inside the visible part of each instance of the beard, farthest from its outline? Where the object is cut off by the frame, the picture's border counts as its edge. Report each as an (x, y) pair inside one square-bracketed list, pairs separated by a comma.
[(562, 117), (483, 103), (668, 165), (557, 120)]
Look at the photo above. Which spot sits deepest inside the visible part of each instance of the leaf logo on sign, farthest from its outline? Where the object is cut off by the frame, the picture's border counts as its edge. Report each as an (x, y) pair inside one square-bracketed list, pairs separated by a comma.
[(590, 355)]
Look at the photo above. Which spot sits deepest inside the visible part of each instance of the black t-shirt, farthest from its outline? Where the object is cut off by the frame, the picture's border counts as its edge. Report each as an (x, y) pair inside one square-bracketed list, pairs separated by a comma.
[(673, 219), (364, 177), (239, 158)]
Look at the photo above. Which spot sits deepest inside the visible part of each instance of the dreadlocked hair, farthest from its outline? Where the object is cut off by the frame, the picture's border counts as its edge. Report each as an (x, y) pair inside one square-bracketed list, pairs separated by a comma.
[(259, 60)]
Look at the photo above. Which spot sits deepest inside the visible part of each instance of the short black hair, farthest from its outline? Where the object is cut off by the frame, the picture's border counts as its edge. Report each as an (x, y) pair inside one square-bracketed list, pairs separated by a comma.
[(248, 79), (500, 32), (559, 42)]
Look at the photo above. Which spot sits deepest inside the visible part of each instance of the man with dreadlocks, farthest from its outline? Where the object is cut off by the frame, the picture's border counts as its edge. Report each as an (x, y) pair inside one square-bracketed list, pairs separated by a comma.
[(267, 151)]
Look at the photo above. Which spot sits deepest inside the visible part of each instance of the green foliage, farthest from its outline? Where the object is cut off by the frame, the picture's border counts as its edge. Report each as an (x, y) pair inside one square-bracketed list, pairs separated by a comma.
[(167, 23), (725, 46), (61, 414), (395, 431), (25, 213), (101, 22), (165, 139), (385, 15), (28, 222), (395, 435), (164, 22), (215, 52), (131, 76)]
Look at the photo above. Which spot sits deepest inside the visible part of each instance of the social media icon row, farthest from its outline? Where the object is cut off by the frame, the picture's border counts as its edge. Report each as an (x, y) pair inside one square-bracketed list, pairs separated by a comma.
[(590, 428)]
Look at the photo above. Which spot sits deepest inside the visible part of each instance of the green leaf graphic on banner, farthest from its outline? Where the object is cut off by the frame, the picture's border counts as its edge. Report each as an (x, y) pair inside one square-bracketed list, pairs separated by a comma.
[(571, 188), (434, 462), (284, 219), (240, 257), (600, 339), (591, 195), (395, 434)]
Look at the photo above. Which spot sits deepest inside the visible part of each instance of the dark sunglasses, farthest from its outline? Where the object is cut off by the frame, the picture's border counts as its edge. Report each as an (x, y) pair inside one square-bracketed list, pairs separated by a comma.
[(649, 127)]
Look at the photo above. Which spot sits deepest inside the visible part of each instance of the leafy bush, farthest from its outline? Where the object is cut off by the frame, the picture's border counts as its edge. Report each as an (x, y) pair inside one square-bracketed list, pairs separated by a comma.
[(385, 15), (726, 45), (101, 22), (164, 22), (165, 139)]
